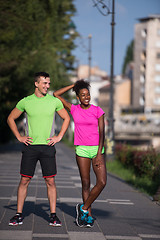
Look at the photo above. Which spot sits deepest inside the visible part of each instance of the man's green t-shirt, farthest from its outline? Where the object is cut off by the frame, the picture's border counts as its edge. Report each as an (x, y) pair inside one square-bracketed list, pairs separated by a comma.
[(40, 116)]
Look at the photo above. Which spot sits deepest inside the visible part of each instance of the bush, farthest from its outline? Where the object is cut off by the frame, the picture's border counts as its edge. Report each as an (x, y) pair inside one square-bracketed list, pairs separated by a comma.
[(144, 163)]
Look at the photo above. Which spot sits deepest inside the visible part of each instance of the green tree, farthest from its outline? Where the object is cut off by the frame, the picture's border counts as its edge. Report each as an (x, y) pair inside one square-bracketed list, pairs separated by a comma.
[(128, 56), (33, 37)]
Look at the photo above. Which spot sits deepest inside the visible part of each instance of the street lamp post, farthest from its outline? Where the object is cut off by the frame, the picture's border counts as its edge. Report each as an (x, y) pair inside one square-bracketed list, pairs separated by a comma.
[(104, 10)]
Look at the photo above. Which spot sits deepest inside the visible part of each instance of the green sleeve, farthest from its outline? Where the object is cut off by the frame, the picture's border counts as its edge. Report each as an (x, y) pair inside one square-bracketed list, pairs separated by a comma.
[(21, 105), (59, 105)]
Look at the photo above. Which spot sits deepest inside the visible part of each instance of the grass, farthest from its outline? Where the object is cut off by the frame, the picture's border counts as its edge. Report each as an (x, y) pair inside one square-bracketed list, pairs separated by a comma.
[(143, 184)]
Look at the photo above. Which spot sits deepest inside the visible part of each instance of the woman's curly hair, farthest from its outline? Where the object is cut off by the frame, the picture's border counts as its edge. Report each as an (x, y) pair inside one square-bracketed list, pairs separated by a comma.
[(80, 84)]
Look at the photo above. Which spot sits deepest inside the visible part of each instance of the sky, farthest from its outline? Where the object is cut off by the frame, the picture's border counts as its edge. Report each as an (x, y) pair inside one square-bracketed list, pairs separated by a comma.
[(89, 20)]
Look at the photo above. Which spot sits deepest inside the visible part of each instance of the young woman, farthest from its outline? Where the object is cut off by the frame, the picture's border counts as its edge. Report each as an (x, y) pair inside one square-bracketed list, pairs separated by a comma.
[(89, 141)]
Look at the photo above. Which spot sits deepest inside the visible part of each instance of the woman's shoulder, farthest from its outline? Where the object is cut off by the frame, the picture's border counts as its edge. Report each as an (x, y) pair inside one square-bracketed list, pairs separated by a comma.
[(74, 107), (95, 107)]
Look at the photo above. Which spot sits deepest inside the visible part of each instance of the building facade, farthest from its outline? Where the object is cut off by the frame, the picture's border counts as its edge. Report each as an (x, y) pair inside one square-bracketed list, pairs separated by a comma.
[(146, 83)]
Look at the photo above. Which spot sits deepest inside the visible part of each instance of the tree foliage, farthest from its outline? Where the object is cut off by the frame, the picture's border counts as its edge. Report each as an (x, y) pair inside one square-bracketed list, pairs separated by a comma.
[(33, 37), (128, 56)]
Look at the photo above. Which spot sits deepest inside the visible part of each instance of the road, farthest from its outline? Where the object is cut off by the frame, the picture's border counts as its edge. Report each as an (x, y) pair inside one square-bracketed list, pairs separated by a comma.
[(121, 212)]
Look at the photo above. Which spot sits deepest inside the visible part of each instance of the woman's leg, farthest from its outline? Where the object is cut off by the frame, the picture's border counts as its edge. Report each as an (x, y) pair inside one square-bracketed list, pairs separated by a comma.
[(101, 179), (84, 165)]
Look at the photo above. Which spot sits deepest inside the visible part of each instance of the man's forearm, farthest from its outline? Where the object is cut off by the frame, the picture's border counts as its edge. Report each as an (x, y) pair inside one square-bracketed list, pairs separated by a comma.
[(64, 127), (13, 127)]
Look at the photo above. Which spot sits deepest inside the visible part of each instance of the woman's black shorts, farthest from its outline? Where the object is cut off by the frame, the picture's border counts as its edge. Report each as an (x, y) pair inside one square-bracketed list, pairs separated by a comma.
[(45, 154)]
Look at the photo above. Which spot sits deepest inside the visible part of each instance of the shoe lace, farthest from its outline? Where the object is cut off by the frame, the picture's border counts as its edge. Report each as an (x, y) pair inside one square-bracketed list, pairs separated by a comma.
[(84, 216), (54, 218), (15, 218), (90, 219)]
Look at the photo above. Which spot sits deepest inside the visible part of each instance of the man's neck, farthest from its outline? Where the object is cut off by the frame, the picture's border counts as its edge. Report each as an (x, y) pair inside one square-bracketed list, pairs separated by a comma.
[(39, 94)]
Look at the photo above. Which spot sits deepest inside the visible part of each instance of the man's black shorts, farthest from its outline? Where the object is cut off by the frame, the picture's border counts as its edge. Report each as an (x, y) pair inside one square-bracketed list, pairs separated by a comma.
[(45, 154)]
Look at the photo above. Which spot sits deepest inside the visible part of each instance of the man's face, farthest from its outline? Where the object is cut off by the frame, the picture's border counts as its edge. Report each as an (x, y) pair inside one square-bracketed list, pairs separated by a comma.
[(43, 85)]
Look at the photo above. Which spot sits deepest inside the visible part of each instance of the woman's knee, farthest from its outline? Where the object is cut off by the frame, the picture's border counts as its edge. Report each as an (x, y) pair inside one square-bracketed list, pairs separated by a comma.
[(102, 182), (86, 184)]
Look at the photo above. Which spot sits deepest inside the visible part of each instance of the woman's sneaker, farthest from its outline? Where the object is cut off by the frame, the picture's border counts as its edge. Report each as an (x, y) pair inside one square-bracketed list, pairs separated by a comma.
[(16, 220), (81, 215), (90, 222), (54, 221)]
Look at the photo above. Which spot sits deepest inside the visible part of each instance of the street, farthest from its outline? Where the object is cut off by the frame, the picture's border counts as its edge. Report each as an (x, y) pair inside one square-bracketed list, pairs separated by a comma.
[(121, 212)]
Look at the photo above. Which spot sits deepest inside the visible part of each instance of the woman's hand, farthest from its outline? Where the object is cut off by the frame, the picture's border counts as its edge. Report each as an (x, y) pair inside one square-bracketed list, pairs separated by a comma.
[(98, 160)]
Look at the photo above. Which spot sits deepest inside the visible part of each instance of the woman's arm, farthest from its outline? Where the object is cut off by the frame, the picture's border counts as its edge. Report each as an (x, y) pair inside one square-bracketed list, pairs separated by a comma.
[(101, 133), (98, 160), (58, 94)]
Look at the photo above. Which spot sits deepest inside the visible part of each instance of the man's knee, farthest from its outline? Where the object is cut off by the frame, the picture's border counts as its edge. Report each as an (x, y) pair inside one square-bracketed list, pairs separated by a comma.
[(50, 182), (24, 181)]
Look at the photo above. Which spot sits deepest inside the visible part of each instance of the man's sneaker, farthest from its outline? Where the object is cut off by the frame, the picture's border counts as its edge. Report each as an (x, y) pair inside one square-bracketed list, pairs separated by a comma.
[(54, 221), (90, 222), (16, 220), (81, 216)]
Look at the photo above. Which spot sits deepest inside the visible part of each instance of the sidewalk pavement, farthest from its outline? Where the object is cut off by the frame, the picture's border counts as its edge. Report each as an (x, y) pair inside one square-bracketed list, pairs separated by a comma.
[(120, 211)]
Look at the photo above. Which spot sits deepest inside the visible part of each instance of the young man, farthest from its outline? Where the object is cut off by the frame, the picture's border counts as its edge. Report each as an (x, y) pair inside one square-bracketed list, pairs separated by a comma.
[(39, 142)]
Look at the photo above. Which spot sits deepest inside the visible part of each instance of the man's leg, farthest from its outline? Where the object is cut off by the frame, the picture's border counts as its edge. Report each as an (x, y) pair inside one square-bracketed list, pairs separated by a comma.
[(22, 193), (21, 196), (52, 197), (52, 193)]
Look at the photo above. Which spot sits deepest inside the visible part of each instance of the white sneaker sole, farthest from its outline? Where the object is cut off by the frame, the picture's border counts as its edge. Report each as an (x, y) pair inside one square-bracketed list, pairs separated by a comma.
[(12, 224), (77, 217), (55, 225)]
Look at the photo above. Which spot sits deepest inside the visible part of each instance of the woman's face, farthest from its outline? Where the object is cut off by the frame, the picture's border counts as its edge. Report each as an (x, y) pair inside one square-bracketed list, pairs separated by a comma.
[(84, 96)]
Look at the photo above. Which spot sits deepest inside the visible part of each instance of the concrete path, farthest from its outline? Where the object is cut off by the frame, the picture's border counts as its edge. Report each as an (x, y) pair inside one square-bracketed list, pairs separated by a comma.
[(121, 212)]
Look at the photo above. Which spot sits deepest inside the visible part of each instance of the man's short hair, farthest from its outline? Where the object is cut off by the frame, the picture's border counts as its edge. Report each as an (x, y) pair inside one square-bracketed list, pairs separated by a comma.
[(40, 74)]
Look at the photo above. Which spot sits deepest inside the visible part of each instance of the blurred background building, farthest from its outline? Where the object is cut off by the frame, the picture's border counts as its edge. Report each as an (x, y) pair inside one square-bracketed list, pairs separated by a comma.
[(98, 79), (137, 93), (146, 86)]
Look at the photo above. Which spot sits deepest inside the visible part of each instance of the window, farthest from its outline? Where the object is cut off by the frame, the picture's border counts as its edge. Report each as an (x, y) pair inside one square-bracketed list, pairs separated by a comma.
[(157, 67), (158, 44), (158, 55), (143, 67), (157, 101), (142, 79), (144, 33), (141, 101), (157, 78), (157, 89), (143, 56)]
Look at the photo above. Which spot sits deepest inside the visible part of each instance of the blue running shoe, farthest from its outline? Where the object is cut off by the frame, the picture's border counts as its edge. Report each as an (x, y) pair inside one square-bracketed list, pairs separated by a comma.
[(81, 215), (90, 222)]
